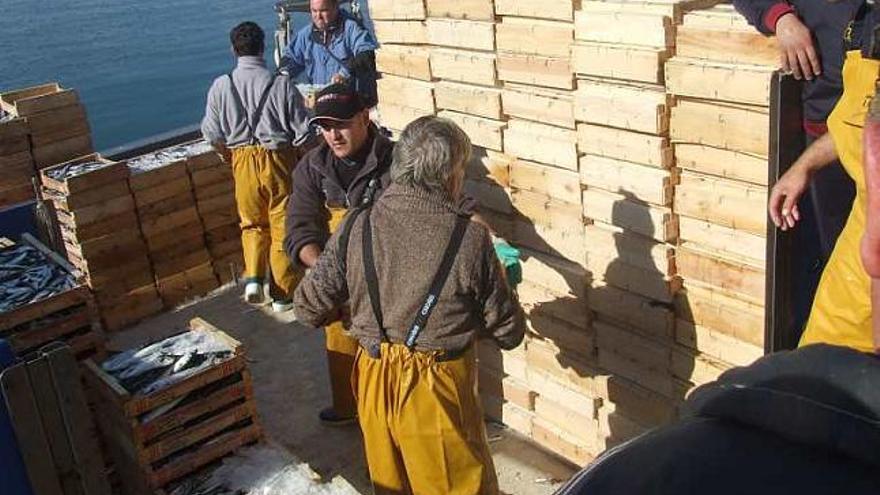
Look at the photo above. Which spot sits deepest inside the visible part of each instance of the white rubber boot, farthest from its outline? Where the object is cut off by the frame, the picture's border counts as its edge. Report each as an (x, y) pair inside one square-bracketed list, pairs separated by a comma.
[(253, 292)]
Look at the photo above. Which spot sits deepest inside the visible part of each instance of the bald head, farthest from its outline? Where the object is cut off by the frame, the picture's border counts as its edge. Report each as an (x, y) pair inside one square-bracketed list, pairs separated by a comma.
[(324, 13)]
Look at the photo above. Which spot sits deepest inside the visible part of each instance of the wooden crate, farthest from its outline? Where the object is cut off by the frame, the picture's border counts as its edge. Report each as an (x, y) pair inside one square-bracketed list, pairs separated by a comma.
[(112, 172), (397, 117), (742, 128), (628, 213), (62, 151), (609, 241), (397, 9), (737, 276), (53, 425), (466, 98), (695, 78), (650, 184), (411, 93), (551, 72), (216, 416), (646, 149), (58, 124), (627, 62), (455, 33), (723, 35), (632, 311), (721, 311), (555, 183), (483, 132), (621, 27), (14, 137), (403, 32), (405, 61), (630, 106), (464, 66), (518, 35), (728, 203), (727, 164), (561, 10), (37, 99), (542, 143), (555, 107), (69, 316), (722, 239), (473, 10)]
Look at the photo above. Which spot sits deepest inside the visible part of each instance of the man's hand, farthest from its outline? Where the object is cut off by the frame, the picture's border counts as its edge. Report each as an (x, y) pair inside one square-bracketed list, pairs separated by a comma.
[(783, 203), (797, 53), (309, 255), (338, 79)]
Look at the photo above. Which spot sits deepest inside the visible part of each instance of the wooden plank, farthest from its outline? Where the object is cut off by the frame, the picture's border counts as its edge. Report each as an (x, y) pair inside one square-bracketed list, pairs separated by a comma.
[(578, 426), (722, 163), (639, 403), (673, 9), (405, 61), (62, 151), (482, 132), (464, 66), (16, 195), (548, 212), (546, 106), (465, 98), (632, 310), (53, 304), (210, 176), (157, 177), (541, 143), (403, 32), (112, 172), (574, 394), (407, 92), (627, 62), (557, 440), (55, 327), (77, 233), (490, 166), (89, 197), (398, 117), (657, 381), (35, 99), (455, 33), (33, 444), (571, 348), (572, 310), (154, 225), (635, 147), (649, 184), (564, 242), (59, 123), (555, 183), (99, 212), (749, 84), (561, 10), (474, 10), (518, 35), (646, 282), (609, 241), (78, 422), (733, 127), (723, 45), (696, 368), (555, 274), (719, 311), (190, 237), (716, 344), (722, 239), (552, 72), (621, 27), (178, 188), (635, 107), (734, 275), (731, 204), (616, 209), (397, 9)]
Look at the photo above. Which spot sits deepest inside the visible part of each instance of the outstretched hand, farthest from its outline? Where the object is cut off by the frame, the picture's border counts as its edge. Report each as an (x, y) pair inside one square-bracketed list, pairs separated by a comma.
[(784, 197), (797, 52)]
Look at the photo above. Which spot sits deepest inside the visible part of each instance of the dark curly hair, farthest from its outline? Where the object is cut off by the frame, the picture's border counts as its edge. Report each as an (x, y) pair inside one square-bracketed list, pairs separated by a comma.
[(247, 39)]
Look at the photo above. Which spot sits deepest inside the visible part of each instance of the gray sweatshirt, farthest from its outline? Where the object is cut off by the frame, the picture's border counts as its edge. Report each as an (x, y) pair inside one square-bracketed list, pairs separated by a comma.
[(284, 119)]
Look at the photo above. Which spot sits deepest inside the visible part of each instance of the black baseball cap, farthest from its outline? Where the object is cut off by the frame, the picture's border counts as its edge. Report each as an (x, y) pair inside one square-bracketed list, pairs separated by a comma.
[(337, 102)]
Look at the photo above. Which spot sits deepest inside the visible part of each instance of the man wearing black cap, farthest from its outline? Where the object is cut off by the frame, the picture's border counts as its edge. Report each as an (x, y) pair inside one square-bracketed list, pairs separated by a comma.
[(349, 168)]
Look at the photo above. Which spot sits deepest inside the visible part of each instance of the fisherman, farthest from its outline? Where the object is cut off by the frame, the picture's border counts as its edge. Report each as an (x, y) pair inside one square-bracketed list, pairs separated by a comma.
[(424, 283), (348, 169), (841, 313), (334, 48), (810, 38), (256, 120)]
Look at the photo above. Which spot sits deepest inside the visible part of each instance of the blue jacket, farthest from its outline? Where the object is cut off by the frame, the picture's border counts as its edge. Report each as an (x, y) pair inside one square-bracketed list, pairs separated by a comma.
[(827, 21), (319, 62)]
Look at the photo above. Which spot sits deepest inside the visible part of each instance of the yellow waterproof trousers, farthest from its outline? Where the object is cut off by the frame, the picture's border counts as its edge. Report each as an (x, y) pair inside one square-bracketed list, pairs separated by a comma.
[(262, 188), (422, 423), (341, 350)]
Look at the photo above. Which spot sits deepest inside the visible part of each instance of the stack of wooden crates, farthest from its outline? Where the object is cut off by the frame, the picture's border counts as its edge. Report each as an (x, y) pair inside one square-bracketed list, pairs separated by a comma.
[(45, 125), (611, 184)]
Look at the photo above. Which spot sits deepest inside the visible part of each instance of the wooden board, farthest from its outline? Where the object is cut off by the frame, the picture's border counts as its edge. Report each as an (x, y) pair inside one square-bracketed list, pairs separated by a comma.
[(716, 344), (571, 389), (540, 209), (555, 183), (561, 10), (557, 275), (170, 191), (114, 171), (58, 124), (634, 107), (616, 209), (465, 98), (464, 66), (564, 351), (405, 61), (731, 204), (88, 198), (732, 127), (45, 97), (720, 311), (98, 212), (397, 9), (645, 149), (734, 275), (555, 107), (405, 92), (564, 242), (475, 10), (647, 282), (749, 84), (627, 62), (536, 70), (468, 35), (62, 151), (650, 184), (543, 302), (403, 32), (541, 143), (518, 35), (621, 27), (695, 368), (723, 163), (611, 242), (483, 132), (631, 310), (725, 45), (579, 426), (673, 9), (722, 239), (159, 176)]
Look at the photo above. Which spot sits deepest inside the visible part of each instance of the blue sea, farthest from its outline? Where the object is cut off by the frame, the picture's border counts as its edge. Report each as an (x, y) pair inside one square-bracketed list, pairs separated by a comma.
[(140, 67)]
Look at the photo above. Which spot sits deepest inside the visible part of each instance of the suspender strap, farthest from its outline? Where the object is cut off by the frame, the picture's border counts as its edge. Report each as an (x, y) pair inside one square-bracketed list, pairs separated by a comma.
[(254, 120), (439, 281), (371, 276)]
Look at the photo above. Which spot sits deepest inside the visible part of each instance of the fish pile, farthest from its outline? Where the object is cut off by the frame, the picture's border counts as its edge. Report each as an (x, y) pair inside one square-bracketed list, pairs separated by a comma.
[(5, 116), (76, 169), (167, 156), (27, 275), (160, 365)]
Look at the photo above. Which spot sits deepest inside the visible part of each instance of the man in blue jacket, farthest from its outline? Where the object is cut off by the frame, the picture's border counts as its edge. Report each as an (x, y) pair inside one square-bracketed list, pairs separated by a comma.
[(810, 34), (334, 48)]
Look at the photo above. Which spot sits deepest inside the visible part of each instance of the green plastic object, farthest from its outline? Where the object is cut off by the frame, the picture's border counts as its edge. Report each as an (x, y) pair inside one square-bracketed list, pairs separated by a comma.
[(509, 257)]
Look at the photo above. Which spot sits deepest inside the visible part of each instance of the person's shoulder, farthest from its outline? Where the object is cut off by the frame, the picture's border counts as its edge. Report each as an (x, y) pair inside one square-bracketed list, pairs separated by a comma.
[(219, 83)]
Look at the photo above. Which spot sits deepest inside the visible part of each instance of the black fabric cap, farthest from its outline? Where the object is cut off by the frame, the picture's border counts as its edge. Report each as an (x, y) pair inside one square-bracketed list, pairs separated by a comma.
[(337, 102)]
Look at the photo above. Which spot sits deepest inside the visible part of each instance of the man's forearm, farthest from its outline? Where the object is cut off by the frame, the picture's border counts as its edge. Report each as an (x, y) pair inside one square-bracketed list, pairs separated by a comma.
[(819, 155), (222, 150), (309, 255)]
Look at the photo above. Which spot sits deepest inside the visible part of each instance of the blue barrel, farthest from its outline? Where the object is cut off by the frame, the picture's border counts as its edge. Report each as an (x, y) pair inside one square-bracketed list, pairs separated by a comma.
[(14, 480)]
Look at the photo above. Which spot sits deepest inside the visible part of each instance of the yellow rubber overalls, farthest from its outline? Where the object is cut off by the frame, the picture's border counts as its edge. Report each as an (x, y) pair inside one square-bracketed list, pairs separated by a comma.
[(841, 313)]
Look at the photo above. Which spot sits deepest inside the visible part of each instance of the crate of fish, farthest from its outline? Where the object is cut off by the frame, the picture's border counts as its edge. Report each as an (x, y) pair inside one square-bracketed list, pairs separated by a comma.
[(43, 299), (174, 406), (83, 174)]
